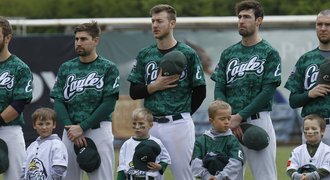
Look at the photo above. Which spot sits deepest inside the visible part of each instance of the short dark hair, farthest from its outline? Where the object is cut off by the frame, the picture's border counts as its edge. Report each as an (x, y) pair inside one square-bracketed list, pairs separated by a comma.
[(6, 27), (325, 12), (250, 4), (43, 114), (164, 7), (318, 118), (92, 28)]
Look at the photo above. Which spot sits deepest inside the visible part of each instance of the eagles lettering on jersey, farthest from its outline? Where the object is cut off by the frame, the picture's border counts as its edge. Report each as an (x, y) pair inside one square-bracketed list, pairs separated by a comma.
[(152, 69), (74, 86), (36, 170), (310, 76), (236, 70), (7, 80)]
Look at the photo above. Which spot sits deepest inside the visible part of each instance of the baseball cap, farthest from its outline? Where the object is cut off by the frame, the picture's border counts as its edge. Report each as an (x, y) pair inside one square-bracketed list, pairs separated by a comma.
[(215, 162), (146, 151), (254, 137), (324, 73), (4, 161), (172, 63), (88, 157), (306, 168)]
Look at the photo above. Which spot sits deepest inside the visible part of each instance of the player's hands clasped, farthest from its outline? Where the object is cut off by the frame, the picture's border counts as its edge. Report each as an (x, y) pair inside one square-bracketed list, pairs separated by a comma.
[(319, 91), (236, 120), (74, 131)]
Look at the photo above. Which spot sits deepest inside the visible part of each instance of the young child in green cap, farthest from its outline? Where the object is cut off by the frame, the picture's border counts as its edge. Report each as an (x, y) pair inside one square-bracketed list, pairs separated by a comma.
[(311, 161), (142, 156), (217, 153)]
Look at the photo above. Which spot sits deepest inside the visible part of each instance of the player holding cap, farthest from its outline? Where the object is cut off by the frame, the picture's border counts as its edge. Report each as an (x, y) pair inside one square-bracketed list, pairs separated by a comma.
[(171, 99), (305, 92), (246, 77), (15, 93)]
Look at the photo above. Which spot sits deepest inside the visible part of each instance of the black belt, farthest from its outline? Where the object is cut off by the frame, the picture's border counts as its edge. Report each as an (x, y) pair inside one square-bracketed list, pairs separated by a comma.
[(141, 178), (255, 116), (327, 120), (164, 119)]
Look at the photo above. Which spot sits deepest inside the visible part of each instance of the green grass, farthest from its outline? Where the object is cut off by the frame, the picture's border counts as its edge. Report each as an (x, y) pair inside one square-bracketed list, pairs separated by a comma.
[(282, 156)]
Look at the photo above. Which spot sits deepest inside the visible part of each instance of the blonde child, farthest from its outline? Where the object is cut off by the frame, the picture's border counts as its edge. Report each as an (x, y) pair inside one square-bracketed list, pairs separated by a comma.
[(220, 143)]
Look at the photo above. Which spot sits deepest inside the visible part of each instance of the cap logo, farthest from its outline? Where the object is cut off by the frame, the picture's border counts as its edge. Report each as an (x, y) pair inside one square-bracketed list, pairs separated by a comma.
[(144, 158), (82, 150), (326, 77)]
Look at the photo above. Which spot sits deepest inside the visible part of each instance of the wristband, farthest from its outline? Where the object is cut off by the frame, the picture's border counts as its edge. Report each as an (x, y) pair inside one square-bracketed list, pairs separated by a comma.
[(2, 121)]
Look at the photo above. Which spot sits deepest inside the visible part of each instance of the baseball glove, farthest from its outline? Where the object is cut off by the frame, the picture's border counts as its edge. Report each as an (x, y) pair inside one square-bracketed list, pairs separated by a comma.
[(215, 162)]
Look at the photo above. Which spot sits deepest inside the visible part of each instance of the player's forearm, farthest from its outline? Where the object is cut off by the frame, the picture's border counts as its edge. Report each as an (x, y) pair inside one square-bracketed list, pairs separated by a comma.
[(260, 101), (297, 100), (61, 112), (138, 91), (8, 114), (197, 97), (101, 113), (219, 90)]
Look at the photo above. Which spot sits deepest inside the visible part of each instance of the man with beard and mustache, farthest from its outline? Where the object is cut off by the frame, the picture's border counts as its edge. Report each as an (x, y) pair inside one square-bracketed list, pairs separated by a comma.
[(246, 77), (85, 94), (171, 99), (304, 91), (15, 93)]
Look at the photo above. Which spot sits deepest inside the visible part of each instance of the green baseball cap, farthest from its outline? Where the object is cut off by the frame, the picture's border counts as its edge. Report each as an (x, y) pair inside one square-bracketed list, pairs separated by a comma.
[(254, 137), (88, 157), (4, 161), (215, 162), (146, 151), (172, 63), (307, 168), (324, 73)]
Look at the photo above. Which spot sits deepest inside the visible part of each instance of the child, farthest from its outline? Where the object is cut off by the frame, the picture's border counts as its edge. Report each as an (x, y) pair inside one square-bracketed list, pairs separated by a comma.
[(312, 154), (47, 157), (129, 166), (217, 141)]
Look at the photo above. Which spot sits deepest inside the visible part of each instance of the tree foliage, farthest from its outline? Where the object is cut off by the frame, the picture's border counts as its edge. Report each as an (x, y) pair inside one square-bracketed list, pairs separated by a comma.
[(52, 9)]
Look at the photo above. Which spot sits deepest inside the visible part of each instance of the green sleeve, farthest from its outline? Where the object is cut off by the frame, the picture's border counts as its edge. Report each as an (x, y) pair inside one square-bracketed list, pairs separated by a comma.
[(298, 100), (322, 172), (61, 112), (164, 166), (219, 92), (101, 113), (290, 172), (121, 175), (260, 101)]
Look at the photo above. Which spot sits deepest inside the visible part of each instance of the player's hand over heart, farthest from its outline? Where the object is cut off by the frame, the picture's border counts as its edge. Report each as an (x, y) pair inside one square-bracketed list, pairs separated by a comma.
[(163, 82), (319, 90)]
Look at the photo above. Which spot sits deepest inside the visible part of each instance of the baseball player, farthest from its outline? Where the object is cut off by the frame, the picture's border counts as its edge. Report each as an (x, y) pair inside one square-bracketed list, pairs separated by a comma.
[(246, 77), (85, 94), (47, 157), (15, 93), (219, 139), (171, 99), (304, 91), (314, 152), (142, 121)]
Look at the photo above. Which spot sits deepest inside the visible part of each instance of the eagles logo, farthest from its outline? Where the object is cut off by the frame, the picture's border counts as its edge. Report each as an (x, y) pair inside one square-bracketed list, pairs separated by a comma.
[(36, 170)]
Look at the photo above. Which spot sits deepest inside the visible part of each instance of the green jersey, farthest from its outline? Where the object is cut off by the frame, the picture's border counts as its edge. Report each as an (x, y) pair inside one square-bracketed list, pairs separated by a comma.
[(244, 70), (83, 86), (225, 143), (15, 84), (174, 100), (303, 78)]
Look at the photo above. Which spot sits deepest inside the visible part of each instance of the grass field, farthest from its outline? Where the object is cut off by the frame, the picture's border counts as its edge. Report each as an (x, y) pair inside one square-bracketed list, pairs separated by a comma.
[(283, 153)]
